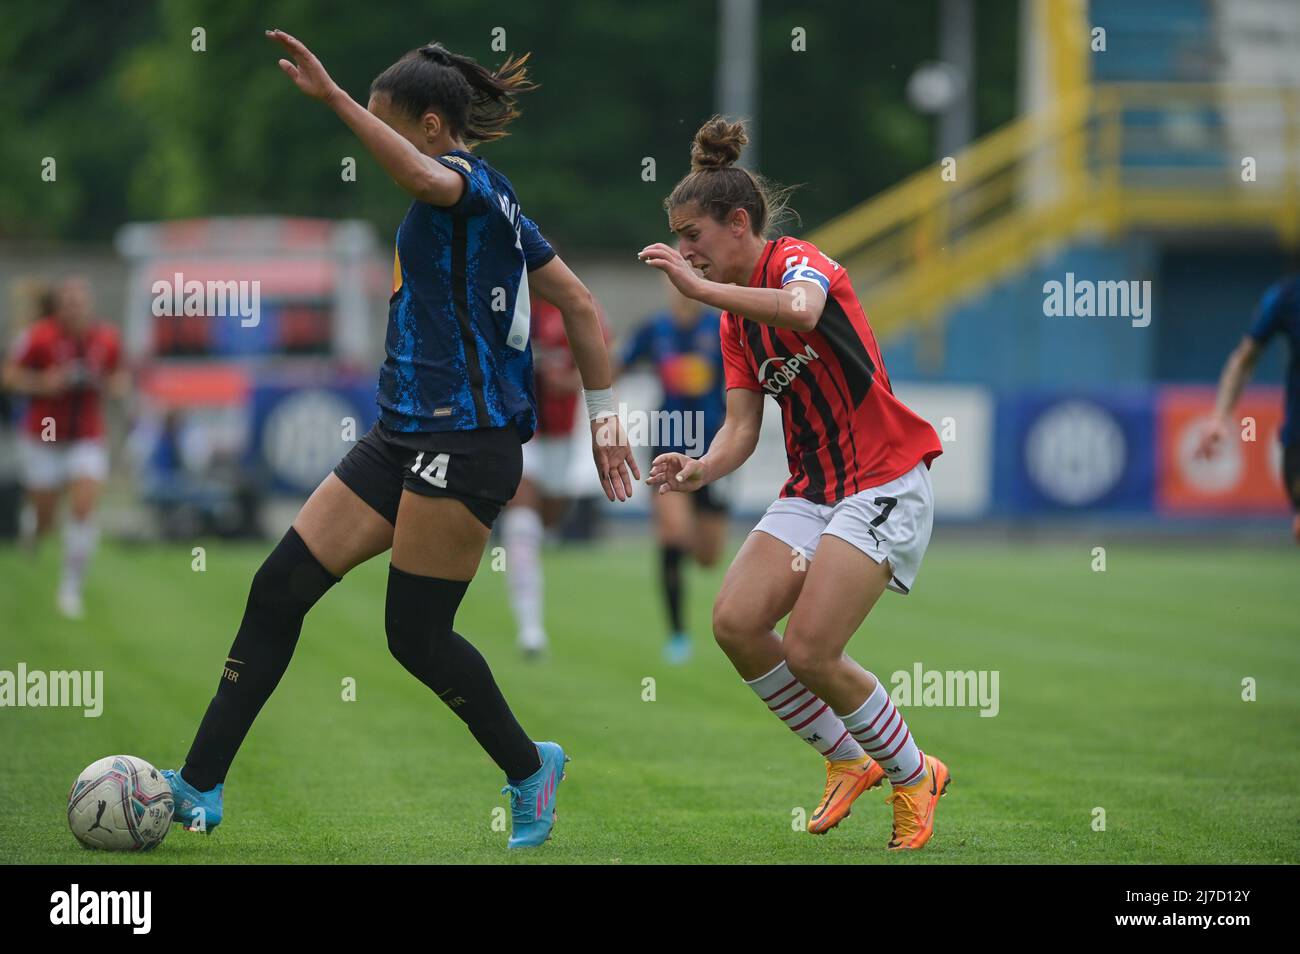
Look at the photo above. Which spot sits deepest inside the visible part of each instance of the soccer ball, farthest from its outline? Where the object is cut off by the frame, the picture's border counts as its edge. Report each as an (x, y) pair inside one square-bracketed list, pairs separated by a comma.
[(120, 803)]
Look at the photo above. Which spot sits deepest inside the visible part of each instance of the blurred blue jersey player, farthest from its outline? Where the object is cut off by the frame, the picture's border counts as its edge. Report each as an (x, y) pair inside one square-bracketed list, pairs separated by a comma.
[(456, 404), (683, 346), (1276, 316)]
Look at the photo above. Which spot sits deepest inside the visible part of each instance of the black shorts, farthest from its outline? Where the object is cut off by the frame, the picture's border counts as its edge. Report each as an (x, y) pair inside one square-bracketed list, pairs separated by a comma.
[(1291, 473), (480, 468), (708, 499)]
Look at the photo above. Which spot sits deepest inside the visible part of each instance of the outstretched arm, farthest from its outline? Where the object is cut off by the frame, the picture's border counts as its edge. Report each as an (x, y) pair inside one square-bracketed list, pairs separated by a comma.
[(418, 174), (1236, 373), (732, 446), (555, 282)]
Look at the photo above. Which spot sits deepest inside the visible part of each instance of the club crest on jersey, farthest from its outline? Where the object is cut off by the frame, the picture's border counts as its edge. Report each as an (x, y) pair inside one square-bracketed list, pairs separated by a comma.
[(776, 376), (459, 162)]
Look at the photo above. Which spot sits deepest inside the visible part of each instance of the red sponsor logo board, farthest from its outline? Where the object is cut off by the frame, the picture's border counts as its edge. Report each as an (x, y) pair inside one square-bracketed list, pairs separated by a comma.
[(1244, 476)]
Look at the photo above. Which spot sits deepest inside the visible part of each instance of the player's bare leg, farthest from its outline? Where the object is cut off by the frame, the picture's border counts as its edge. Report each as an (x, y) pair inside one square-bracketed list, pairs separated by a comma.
[(79, 538), (759, 590), (843, 585), (522, 531), (761, 586), (340, 529), (554, 510), (709, 538), (674, 532), (438, 536), (39, 515)]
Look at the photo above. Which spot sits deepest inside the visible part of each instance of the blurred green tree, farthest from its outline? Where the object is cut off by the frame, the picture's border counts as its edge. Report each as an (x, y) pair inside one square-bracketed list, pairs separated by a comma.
[(145, 127)]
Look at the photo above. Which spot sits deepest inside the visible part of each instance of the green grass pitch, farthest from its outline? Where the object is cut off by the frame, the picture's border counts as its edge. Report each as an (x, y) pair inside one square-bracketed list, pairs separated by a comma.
[(1119, 690)]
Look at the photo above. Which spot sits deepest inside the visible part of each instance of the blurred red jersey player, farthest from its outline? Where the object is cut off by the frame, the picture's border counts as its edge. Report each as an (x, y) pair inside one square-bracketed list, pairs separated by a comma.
[(63, 363), (546, 489)]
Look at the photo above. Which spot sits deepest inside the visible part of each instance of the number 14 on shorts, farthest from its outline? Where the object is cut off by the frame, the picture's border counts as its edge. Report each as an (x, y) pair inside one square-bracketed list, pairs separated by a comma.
[(436, 471)]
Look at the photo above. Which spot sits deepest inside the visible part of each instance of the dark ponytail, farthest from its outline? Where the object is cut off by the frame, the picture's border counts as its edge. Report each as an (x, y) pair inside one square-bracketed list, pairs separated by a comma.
[(477, 103)]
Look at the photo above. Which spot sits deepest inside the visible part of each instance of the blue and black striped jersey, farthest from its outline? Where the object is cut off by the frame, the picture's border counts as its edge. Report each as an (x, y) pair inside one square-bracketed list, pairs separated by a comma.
[(1278, 313), (688, 361), (457, 355)]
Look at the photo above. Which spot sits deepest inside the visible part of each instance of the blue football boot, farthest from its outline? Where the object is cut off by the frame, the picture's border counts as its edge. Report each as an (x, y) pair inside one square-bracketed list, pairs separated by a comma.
[(678, 650), (197, 811), (532, 801)]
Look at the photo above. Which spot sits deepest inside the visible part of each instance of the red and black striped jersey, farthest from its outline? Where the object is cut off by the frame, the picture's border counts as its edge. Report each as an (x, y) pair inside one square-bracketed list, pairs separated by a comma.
[(845, 431), (90, 356)]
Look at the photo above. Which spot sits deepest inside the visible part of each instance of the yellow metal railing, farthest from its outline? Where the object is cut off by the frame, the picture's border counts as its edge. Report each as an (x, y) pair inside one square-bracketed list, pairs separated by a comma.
[(1105, 160)]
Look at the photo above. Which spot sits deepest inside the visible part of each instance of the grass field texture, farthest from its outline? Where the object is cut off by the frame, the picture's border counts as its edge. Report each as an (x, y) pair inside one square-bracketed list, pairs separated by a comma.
[(1119, 690)]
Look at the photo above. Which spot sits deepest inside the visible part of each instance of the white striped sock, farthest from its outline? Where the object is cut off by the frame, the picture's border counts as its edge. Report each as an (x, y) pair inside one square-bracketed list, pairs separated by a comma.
[(880, 730), (805, 714), (522, 533)]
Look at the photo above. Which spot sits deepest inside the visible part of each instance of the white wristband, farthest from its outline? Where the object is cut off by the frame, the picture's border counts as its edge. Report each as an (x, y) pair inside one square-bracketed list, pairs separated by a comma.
[(600, 403)]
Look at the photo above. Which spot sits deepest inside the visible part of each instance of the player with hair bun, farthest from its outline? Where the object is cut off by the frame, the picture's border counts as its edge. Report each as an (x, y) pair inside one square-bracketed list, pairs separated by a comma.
[(855, 515)]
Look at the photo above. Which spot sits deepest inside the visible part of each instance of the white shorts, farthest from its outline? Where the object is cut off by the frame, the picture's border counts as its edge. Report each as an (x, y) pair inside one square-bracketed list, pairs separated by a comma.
[(890, 522), (50, 464), (548, 463)]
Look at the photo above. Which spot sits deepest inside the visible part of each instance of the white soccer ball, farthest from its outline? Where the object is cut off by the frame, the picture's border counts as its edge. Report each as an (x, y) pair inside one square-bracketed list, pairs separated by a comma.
[(120, 803)]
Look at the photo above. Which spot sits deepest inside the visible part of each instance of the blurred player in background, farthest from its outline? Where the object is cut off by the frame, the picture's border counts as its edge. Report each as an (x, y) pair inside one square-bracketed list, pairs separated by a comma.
[(456, 404), (65, 363), (33, 299), (544, 491), (682, 344), (1278, 313), (858, 499)]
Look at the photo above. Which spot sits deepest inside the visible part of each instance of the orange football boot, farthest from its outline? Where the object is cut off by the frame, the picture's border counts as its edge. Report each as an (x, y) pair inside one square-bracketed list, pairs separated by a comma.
[(914, 807), (845, 781)]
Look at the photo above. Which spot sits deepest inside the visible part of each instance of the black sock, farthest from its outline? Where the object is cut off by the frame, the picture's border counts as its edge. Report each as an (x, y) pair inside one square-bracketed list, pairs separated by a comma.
[(285, 587), (671, 578), (418, 617)]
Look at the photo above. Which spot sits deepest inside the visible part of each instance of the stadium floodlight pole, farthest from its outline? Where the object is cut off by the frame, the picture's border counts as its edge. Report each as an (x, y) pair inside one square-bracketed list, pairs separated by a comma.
[(737, 80), (957, 50)]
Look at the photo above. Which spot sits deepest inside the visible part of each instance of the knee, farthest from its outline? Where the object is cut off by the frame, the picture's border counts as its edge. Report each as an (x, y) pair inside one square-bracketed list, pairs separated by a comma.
[(290, 580), (408, 646), (418, 616), (410, 637), (735, 625), (807, 662)]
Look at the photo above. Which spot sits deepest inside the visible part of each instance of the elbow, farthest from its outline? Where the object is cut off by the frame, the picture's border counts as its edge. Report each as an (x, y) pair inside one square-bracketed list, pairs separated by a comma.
[(584, 301), (1240, 365), (579, 303), (805, 319)]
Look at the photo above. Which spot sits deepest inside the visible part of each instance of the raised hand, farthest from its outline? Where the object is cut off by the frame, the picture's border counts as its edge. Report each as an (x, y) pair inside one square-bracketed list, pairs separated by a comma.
[(669, 261), (306, 71)]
